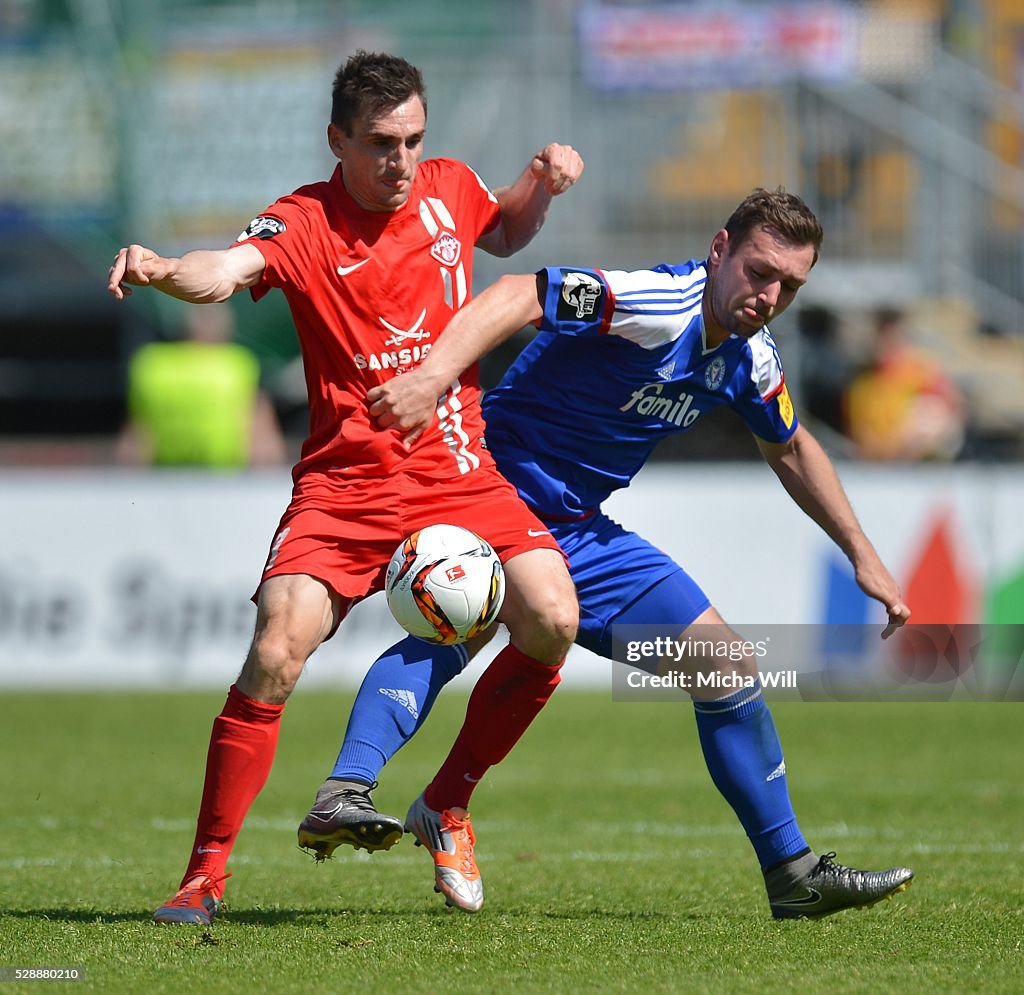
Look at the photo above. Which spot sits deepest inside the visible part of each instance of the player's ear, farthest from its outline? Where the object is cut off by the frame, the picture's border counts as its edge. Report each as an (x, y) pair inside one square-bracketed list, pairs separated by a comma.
[(718, 244), (335, 140)]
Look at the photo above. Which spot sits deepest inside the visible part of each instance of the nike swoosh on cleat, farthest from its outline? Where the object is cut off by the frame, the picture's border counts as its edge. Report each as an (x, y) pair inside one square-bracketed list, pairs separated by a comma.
[(345, 270), (811, 898)]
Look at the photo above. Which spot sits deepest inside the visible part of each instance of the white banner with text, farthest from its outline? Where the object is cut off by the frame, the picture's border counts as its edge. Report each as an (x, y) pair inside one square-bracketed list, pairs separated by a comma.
[(143, 579)]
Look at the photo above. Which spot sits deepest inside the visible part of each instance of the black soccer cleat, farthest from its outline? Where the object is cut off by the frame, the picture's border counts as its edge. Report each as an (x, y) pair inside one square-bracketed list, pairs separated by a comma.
[(344, 813), (831, 887)]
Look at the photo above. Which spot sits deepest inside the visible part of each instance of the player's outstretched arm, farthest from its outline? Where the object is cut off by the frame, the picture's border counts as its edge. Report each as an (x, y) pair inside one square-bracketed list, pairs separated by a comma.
[(811, 480), (408, 402), (205, 276), (524, 205)]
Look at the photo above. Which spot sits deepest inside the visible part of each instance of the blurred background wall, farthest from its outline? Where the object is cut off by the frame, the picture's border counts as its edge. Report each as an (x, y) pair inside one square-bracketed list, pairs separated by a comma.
[(174, 123)]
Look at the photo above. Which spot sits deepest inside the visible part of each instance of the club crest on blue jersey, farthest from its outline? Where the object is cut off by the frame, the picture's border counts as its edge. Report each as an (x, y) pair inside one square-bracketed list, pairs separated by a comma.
[(581, 296), (714, 374), (262, 227)]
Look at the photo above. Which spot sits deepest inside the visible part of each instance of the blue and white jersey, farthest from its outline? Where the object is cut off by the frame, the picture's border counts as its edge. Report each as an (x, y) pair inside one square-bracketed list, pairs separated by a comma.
[(620, 362)]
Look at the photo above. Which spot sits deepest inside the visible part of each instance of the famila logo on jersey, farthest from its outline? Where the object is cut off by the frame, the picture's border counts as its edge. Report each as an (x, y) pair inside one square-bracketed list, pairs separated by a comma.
[(652, 401)]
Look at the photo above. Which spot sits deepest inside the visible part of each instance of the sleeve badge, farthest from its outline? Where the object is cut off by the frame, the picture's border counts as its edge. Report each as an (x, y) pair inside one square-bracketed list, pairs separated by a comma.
[(263, 227), (786, 407)]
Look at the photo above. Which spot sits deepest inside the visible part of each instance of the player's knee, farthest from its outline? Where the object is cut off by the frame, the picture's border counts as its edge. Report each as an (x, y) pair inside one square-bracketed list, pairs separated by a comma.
[(563, 622), (746, 666), (552, 630), (714, 677)]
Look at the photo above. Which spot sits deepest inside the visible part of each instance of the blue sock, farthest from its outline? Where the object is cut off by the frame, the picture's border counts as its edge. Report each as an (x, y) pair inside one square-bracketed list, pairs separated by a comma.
[(744, 757), (395, 697)]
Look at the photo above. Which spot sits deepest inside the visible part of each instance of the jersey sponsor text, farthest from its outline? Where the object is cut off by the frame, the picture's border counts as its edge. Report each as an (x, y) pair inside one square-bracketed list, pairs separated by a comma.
[(652, 401), (396, 359)]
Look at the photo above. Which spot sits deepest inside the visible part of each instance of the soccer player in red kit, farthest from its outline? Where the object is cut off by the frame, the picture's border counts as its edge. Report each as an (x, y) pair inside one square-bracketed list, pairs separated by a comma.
[(373, 263)]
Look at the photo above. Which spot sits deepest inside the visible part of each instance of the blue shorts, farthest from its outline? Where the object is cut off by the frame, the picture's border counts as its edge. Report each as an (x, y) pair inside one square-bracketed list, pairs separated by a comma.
[(620, 577)]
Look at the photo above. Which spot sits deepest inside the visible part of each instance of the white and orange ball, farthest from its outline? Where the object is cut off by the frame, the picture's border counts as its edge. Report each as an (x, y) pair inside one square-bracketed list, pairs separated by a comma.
[(444, 584)]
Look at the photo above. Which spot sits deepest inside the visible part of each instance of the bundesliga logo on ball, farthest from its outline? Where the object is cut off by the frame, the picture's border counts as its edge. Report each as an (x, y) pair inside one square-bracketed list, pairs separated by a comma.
[(444, 584)]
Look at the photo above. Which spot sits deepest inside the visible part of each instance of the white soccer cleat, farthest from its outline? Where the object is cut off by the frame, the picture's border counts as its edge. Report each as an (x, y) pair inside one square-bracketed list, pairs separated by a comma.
[(450, 840)]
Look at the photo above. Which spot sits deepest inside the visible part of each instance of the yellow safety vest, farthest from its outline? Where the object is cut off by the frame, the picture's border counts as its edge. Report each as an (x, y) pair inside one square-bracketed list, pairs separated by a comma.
[(195, 400)]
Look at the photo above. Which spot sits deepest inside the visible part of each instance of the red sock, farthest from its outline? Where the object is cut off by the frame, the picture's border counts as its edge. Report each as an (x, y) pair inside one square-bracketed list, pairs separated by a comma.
[(242, 747), (507, 697)]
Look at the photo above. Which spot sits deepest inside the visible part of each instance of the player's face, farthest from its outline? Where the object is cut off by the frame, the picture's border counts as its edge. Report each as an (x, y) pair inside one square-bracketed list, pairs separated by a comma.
[(753, 282), (380, 157)]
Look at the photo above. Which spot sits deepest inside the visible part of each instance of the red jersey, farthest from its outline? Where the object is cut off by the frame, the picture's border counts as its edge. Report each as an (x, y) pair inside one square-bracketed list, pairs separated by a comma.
[(369, 293)]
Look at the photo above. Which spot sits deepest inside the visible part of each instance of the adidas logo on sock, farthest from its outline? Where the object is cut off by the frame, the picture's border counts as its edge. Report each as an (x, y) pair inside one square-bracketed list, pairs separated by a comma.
[(779, 771), (404, 698)]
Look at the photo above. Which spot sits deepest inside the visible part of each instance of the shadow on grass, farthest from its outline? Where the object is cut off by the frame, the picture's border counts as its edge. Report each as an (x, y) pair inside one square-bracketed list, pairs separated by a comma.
[(77, 915), (328, 916), (227, 917)]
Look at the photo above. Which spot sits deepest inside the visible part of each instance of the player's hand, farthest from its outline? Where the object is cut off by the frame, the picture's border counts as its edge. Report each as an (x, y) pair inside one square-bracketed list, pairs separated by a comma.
[(899, 613), (137, 265), (876, 582), (558, 167), (406, 404)]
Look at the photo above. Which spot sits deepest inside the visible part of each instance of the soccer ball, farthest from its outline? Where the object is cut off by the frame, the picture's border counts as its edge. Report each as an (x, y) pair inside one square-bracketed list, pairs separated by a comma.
[(444, 584)]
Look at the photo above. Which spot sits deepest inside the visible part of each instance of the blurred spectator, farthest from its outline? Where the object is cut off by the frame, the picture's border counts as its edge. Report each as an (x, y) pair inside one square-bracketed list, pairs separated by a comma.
[(825, 367), (197, 401), (904, 406), (15, 20)]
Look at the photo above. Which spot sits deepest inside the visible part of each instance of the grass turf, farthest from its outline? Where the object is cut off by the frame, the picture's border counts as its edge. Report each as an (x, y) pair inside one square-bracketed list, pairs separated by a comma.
[(610, 862)]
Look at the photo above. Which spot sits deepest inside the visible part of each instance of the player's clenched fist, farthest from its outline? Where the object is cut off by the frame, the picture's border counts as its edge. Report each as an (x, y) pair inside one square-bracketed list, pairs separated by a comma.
[(135, 264), (559, 166), (406, 403)]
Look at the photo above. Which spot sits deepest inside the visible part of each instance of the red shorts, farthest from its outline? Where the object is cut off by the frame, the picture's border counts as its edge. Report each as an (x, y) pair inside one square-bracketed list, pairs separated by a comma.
[(344, 533)]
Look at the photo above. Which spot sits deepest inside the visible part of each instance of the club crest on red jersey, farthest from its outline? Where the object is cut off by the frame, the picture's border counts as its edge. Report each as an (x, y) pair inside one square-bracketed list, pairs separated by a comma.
[(446, 249)]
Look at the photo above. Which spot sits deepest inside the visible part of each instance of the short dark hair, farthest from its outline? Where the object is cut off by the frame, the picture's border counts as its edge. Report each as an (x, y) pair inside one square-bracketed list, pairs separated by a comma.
[(782, 214), (373, 83)]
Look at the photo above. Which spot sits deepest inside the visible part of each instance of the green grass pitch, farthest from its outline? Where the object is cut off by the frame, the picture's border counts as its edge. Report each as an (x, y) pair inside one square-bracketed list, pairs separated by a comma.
[(610, 862)]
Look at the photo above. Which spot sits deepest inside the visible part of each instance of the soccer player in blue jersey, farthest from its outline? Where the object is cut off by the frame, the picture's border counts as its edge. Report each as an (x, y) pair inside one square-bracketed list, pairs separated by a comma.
[(644, 354)]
